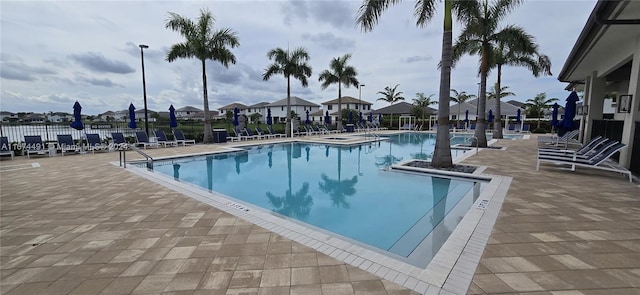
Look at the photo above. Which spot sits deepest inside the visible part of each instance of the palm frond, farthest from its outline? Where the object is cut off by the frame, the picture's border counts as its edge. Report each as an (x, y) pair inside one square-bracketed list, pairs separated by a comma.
[(424, 11), (179, 50), (370, 11), (273, 69)]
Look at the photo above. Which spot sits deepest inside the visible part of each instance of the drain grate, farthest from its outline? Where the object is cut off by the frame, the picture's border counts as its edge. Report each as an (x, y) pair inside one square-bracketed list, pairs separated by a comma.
[(483, 204), (238, 207)]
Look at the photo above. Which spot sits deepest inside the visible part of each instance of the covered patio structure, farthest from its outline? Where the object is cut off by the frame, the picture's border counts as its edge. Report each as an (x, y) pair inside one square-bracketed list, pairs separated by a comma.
[(605, 63)]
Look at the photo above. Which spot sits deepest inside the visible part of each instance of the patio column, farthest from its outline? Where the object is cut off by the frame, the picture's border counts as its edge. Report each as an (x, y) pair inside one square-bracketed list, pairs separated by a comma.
[(595, 89), (630, 118)]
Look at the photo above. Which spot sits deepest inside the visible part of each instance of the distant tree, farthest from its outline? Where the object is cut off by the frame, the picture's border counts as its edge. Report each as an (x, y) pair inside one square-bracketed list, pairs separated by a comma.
[(536, 106), (203, 43), (422, 103), (342, 74), (255, 117), (459, 98), (391, 96)]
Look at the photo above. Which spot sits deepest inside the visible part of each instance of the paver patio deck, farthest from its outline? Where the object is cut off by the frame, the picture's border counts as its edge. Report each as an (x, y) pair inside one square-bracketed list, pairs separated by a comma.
[(80, 225)]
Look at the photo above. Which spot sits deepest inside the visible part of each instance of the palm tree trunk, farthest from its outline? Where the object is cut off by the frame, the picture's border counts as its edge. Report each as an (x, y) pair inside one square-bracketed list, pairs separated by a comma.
[(497, 124), (208, 135), (288, 126), (481, 123), (339, 123), (442, 152)]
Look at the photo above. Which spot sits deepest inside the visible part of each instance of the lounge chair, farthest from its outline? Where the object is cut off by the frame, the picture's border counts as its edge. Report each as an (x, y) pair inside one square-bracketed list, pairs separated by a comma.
[(251, 135), (178, 135), (66, 144), (511, 128), (162, 139), (270, 130), (327, 130), (262, 133), (94, 143), (566, 139), (5, 148), (593, 143), (526, 128), (119, 142), (317, 129), (600, 161), (33, 144), (588, 154), (143, 140)]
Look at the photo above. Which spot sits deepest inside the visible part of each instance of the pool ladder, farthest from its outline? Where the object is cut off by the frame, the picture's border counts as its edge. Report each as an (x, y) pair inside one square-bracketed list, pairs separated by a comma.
[(123, 156)]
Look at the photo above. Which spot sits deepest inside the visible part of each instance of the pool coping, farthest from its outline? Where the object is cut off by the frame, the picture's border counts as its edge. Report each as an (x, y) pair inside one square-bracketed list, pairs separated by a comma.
[(450, 271)]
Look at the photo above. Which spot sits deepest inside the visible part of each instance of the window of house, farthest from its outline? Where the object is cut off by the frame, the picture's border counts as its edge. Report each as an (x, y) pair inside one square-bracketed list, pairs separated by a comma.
[(329, 107), (282, 108)]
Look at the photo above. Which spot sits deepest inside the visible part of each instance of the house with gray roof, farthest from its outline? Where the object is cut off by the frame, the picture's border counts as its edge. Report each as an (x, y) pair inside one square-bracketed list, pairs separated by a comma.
[(298, 105)]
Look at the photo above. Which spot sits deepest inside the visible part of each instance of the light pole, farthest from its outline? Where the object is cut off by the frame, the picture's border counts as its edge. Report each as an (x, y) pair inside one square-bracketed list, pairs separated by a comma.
[(360, 94), (144, 90)]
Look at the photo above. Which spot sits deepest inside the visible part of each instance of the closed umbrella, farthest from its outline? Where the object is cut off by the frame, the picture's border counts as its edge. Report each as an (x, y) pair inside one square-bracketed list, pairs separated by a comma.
[(307, 121), (269, 119), (518, 114), (77, 117), (361, 118), (570, 111), (172, 117), (235, 116), (490, 116), (132, 117), (327, 118), (466, 116), (370, 117), (554, 115), (350, 117), (380, 118)]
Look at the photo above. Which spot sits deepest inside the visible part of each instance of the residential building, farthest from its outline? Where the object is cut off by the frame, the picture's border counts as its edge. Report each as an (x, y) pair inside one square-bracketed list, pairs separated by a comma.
[(298, 106), (258, 108), (58, 117), (8, 116), (349, 103), (187, 112)]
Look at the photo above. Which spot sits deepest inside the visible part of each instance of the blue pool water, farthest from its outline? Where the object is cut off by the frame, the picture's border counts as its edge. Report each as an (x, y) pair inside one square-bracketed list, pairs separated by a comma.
[(341, 189)]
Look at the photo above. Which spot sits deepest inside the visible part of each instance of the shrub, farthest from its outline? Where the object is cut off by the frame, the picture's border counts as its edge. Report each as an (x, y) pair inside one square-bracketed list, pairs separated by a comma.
[(539, 130)]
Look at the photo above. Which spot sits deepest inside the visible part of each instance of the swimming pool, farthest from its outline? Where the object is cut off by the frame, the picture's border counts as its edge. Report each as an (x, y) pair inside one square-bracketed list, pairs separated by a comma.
[(345, 190)]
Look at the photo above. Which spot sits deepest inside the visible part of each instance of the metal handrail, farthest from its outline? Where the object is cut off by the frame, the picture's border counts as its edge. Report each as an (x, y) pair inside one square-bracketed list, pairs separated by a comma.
[(123, 156)]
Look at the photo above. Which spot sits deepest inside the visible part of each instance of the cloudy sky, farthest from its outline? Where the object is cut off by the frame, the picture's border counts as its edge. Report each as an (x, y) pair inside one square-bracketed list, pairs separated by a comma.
[(56, 52)]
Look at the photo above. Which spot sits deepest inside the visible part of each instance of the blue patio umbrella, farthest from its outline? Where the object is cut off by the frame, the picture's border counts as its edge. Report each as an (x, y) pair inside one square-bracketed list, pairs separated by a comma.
[(570, 111), (466, 116), (350, 117), (361, 118), (554, 115), (235, 116), (132, 117), (327, 118), (370, 117), (269, 119), (77, 117), (518, 114), (380, 118), (490, 116), (307, 121), (172, 117)]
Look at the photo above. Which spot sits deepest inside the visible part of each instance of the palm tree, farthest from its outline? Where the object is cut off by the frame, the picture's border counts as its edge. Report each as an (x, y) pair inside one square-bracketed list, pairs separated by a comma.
[(289, 64), (518, 50), (368, 16), (479, 36), (203, 43), (391, 96), (423, 102), (501, 91), (342, 74), (459, 98), (539, 104)]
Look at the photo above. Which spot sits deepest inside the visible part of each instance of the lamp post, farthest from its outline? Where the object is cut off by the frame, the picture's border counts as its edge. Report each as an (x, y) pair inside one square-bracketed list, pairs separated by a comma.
[(360, 95), (144, 90)]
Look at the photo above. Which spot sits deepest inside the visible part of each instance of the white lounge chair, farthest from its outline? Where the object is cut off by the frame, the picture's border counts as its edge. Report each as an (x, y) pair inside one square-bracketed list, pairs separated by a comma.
[(599, 161)]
